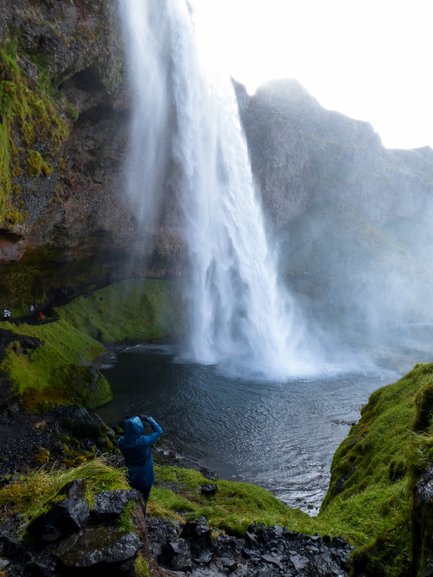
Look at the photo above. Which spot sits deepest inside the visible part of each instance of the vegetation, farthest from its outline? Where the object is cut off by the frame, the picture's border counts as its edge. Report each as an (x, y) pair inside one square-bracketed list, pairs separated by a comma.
[(233, 508), (30, 122), (369, 501), (127, 311), (374, 471), (32, 494), (59, 370)]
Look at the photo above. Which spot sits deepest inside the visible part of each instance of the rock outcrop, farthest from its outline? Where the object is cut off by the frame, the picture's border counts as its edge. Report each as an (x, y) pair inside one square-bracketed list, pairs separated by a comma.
[(65, 220), (263, 551), (303, 155)]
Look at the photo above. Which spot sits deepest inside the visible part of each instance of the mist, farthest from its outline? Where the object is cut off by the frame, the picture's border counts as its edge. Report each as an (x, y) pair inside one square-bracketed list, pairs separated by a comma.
[(353, 224)]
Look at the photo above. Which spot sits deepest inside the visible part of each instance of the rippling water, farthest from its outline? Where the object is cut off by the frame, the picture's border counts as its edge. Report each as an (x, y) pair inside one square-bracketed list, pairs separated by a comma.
[(279, 435)]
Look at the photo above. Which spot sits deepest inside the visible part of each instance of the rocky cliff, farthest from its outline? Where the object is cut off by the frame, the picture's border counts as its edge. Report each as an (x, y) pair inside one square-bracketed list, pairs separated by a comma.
[(351, 216), (64, 219), (304, 155)]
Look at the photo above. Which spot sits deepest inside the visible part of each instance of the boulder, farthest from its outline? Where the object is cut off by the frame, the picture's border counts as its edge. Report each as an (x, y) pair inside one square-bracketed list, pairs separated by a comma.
[(99, 551), (65, 518), (109, 505), (209, 490)]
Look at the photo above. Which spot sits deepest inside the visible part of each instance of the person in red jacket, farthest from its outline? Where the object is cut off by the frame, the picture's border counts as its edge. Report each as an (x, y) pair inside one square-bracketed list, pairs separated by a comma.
[(136, 448)]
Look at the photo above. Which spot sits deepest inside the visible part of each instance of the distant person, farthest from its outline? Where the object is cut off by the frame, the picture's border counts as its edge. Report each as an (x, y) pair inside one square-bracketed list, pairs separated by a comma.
[(136, 448)]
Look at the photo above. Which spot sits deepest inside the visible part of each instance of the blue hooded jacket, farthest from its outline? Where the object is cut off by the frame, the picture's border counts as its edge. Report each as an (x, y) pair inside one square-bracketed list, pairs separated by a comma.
[(137, 451)]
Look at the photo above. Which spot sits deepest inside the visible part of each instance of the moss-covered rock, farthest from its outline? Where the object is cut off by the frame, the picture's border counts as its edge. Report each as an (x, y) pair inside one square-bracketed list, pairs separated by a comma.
[(55, 367), (374, 473)]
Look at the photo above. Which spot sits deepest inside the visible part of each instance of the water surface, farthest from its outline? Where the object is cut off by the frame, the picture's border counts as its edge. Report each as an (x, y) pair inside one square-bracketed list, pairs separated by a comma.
[(279, 435)]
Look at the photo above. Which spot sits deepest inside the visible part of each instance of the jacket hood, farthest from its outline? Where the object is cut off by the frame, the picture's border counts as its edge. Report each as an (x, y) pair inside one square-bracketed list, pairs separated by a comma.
[(133, 427)]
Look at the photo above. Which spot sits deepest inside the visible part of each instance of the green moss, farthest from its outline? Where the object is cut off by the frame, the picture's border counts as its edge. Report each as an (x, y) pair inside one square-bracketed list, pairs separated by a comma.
[(233, 508), (374, 471), (29, 119), (127, 311), (36, 164), (58, 371), (141, 566)]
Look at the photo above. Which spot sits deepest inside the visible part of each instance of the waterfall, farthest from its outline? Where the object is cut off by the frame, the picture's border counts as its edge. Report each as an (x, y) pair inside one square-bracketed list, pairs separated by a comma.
[(240, 317)]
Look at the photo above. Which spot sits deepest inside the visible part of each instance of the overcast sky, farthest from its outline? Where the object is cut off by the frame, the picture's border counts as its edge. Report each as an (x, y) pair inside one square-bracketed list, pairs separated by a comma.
[(369, 59)]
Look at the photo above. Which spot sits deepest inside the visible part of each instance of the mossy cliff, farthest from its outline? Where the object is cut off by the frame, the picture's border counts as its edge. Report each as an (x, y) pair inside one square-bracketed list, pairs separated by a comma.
[(65, 223), (50, 362)]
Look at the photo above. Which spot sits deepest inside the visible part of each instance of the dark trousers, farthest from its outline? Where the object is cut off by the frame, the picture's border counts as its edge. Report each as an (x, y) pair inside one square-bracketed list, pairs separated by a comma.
[(146, 492)]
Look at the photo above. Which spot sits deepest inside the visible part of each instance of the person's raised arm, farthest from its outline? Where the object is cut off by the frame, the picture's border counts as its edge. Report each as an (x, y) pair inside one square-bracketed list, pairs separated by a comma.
[(156, 430)]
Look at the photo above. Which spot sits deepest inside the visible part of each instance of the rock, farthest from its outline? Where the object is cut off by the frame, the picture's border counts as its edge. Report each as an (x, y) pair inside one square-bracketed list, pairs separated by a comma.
[(65, 518), (10, 542), (80, 422), (211, 475), (109, 505), (299, 562), (176, 555), (422, 523), (197, 532), (265, 551), (208, 490), (100, 550)]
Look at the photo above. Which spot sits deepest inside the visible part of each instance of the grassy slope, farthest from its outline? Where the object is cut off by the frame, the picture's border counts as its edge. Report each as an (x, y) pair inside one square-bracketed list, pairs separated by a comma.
[(126, 311), (58, 371)]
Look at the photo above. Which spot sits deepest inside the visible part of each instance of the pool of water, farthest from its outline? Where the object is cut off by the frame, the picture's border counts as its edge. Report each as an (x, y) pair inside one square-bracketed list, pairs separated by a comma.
[(279, 435)]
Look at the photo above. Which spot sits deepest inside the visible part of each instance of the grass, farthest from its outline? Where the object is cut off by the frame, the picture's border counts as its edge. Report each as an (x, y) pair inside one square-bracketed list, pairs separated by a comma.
[(127, 311), (369, 501), (32, 494), (233, 508), (374, 471), (59, 370)]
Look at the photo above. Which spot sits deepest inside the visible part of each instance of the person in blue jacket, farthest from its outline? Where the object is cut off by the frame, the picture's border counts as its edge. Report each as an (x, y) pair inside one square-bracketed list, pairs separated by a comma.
[(136, 448)]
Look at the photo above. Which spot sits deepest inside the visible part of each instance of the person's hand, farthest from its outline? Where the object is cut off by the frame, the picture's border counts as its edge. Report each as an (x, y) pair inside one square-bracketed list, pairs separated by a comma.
[(144, 418)]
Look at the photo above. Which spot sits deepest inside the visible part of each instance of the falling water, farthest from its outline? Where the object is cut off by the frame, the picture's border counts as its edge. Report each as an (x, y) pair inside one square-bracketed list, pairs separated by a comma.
[(240, 317)]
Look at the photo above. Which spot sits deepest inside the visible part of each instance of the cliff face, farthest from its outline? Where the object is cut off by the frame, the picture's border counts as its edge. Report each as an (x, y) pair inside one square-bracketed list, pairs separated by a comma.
[(64, 218), (63, 126), (303, 155), (352, 218)]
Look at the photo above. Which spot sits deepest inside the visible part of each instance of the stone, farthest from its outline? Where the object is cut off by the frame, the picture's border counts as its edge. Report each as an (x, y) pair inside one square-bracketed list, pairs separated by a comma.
[(81, 422), (209, 490), (176, 555), (211, 475), (64, 518), (10, 543), (197, 532), (98, 548), (110, 505), (299, 562)]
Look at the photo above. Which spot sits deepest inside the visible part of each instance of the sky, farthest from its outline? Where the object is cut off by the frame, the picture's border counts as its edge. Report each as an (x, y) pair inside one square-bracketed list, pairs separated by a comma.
[(369, 59)]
